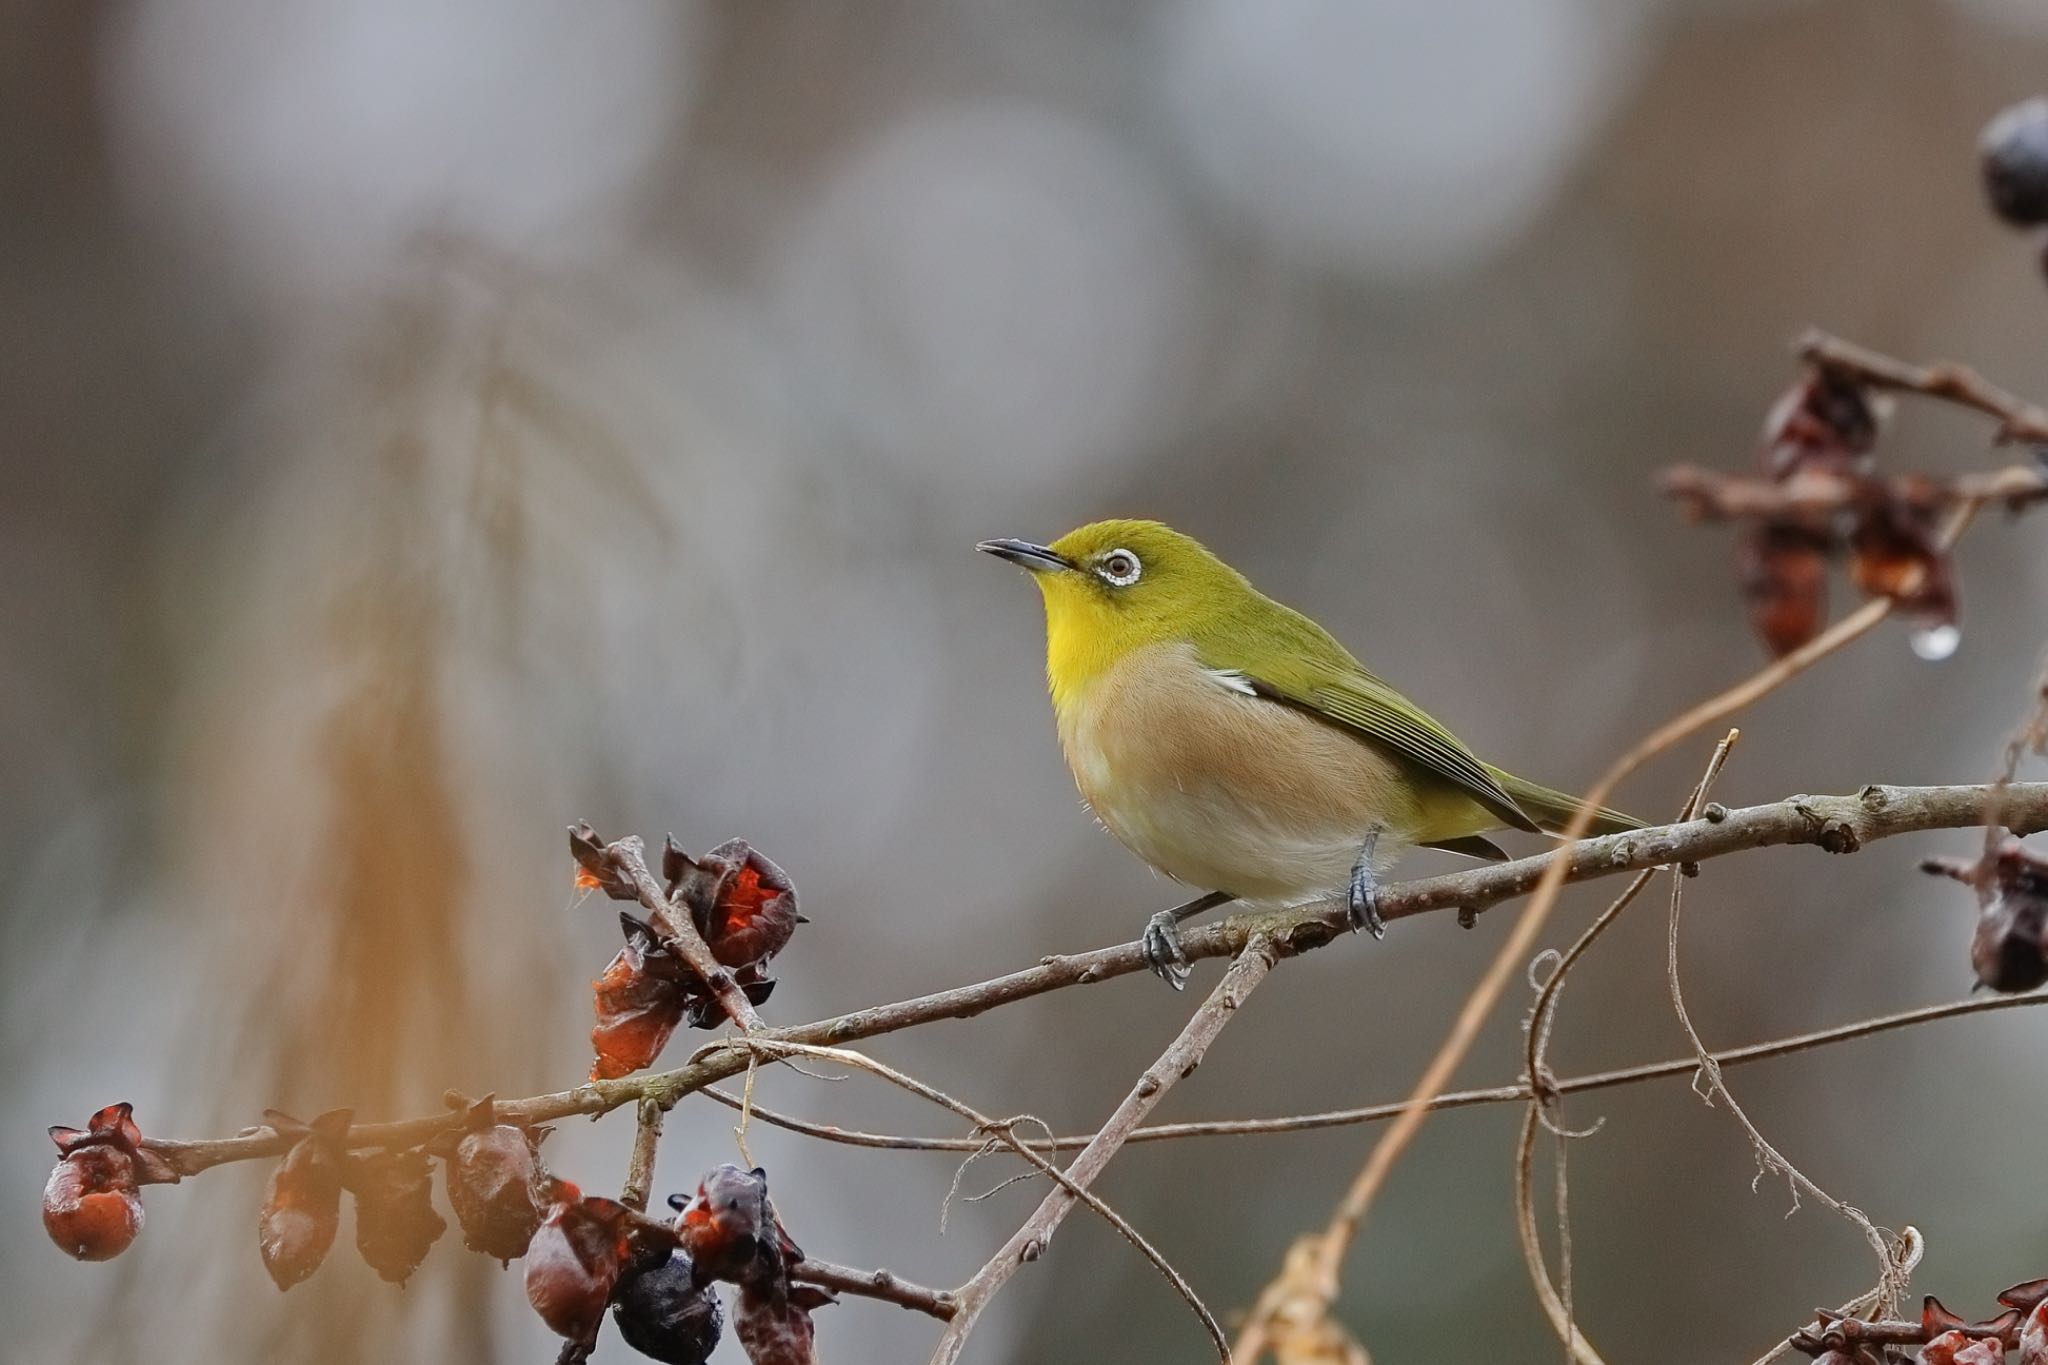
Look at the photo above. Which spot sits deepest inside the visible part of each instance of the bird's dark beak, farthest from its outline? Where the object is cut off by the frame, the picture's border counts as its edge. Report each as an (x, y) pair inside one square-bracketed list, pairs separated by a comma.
[(1037, 558)]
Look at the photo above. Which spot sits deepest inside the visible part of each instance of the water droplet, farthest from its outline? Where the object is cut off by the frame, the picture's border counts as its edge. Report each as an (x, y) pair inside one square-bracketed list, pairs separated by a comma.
[(1935, 643)]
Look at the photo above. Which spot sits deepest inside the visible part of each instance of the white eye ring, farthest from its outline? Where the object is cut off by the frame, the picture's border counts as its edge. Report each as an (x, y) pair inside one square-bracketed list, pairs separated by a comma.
[(1119, 568)]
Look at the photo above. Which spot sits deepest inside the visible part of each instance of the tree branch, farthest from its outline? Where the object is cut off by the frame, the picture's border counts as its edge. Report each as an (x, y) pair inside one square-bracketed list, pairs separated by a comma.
[(2018, 420), (1709, 495), (1839, 824)]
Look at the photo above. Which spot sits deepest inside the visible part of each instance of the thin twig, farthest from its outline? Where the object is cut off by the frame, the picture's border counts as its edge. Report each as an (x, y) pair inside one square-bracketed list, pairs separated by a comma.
[(1454, 1099), (640, 1167), (883, 1285), (1556, 1303), (2018, 420), (2029, 736), (1910, 1248), (1555, 1306), (1002, 1130), (1769, 1158), (1181, 1057)]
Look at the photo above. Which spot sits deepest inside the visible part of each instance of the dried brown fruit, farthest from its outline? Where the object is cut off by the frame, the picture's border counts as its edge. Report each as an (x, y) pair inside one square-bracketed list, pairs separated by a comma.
[(776, 1329), (730, 1230), (574, 1261), (1783, 571), (395, 1219), (665, 1313), (494, 1172), (92, 1203), (302, 1202), (1825, 422)]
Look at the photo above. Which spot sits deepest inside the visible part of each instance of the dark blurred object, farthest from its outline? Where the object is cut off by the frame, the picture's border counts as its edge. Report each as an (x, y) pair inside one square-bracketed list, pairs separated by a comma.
[(2016, 163), (2009, 951)]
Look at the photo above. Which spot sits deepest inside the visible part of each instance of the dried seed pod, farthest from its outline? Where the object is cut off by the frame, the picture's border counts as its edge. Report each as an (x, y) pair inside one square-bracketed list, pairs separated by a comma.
[(92, 1203), (776, 1329), (395, 1219), (743, 904), (493, 1173), (1895, 554), (302, 1202), (730, 1230), (574, 1261), (596, 867), (663, 1312), (2015, 148), (639, 1001), (1783, 571), (1826, 422)]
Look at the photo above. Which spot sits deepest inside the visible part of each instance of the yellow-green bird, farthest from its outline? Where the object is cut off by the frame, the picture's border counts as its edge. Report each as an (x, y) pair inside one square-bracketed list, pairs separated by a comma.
[(1234, 745)]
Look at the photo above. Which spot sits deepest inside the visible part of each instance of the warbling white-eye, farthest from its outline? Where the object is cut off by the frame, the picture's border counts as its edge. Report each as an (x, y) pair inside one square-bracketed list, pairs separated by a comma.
[(1234, 745)]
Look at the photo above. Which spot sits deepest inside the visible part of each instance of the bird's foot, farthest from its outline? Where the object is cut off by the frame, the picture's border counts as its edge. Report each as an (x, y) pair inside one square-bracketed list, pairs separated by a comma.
[(1163, 950), (1161, 939), (1363, 904)]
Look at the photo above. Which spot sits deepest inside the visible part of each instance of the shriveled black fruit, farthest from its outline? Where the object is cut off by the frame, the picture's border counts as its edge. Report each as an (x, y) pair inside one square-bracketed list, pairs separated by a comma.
[(664, 1313)]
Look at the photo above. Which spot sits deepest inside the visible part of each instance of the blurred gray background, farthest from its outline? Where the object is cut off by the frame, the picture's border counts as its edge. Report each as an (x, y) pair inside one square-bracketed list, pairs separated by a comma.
[(427, 423)]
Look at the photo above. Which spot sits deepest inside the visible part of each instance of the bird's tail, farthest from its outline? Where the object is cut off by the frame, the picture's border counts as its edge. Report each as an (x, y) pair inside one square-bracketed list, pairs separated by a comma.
[(1552, 809)]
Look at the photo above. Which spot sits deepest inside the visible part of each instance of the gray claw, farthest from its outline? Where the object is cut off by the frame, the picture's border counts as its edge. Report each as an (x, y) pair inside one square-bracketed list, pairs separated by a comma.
[(1364, 902), (1163, 952)]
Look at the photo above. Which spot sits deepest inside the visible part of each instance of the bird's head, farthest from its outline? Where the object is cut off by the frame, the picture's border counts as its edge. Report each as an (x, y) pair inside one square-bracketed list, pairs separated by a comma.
[(1115, 586)]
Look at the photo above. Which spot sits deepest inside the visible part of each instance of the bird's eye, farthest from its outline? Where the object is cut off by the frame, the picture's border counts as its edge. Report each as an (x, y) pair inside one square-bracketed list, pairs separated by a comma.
[(1119, 568)]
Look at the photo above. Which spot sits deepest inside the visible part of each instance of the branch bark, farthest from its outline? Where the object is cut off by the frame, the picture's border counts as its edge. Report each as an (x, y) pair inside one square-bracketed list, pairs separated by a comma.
[(1838, 824)]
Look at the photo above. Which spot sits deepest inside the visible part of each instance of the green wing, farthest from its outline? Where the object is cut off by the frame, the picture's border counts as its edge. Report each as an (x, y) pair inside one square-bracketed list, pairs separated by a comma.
[(1355, 700)]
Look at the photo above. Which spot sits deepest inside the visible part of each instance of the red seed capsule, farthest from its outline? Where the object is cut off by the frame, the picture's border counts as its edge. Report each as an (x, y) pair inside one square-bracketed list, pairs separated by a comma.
[(302, 1202), (747, 910), (639, 1000), (92, 1203)]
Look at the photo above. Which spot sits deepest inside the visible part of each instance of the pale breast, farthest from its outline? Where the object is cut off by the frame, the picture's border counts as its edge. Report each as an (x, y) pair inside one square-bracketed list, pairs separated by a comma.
[(1224, 790)]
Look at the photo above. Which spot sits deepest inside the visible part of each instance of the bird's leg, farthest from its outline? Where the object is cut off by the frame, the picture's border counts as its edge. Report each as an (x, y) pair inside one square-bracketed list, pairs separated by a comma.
[(1169, 961), (1364, 903)]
